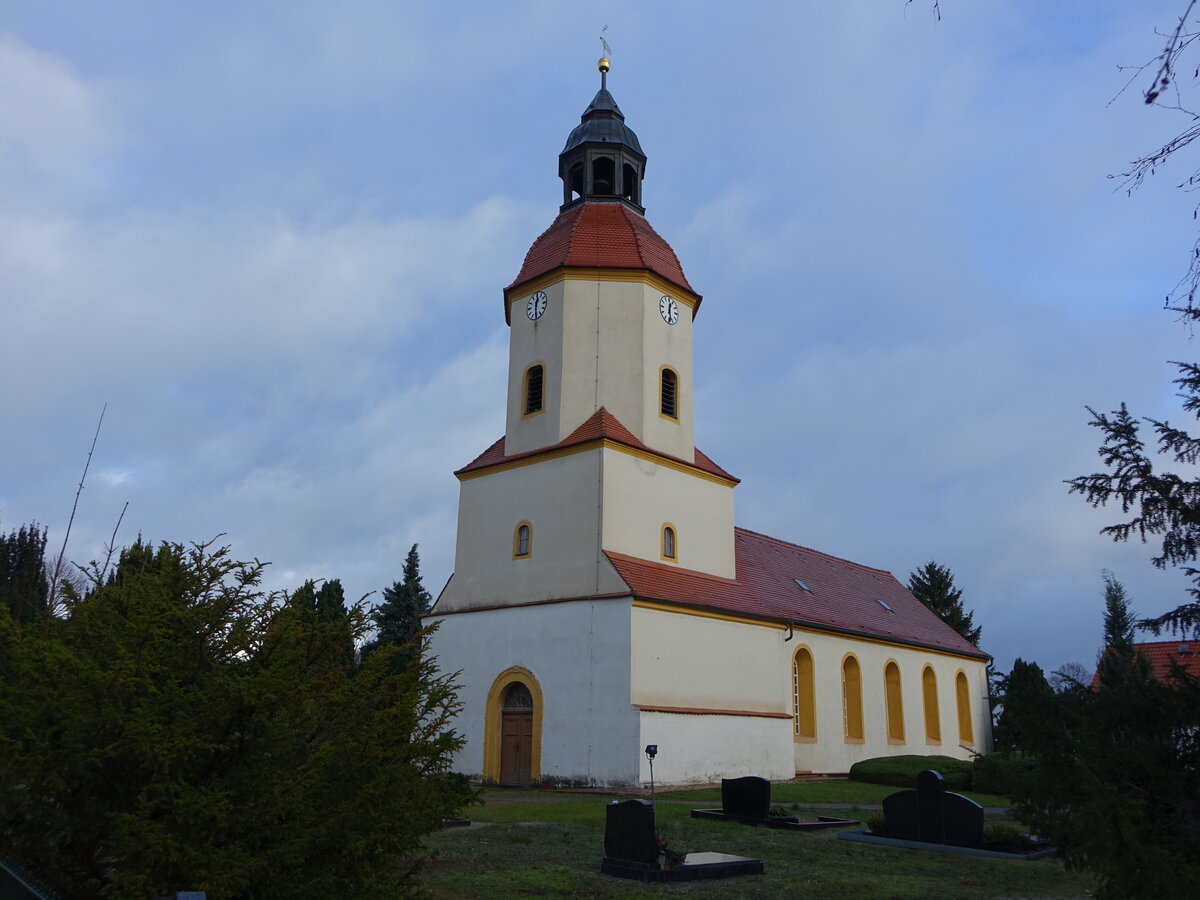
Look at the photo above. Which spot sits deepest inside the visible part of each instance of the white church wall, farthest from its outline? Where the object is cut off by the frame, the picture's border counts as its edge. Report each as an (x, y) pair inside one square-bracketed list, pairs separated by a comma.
[(668, 345), (579, 654), (701, 749), (560, 499), (641, 495)]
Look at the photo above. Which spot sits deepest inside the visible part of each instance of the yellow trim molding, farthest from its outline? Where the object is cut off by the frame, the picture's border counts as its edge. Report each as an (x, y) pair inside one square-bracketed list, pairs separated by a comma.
[(704, 614), (491, 722)]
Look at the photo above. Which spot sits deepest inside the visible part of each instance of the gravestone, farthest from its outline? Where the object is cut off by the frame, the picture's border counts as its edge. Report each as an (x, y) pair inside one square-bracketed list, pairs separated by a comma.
[(933, 814), (748, 797), (629, 833), (631, 850)]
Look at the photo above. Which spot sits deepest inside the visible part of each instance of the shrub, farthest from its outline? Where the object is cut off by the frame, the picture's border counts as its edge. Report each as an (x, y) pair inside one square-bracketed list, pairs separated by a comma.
[(999, 773), (1002, 834), (876, 823), (902, 771)]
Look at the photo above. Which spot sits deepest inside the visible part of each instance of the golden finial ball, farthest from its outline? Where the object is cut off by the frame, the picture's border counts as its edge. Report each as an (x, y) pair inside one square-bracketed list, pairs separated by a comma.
[(604, 65)]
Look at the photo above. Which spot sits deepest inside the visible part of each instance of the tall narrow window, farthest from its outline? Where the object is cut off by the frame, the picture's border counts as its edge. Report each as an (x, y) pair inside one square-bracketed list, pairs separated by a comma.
[(533, 389), (852, 713), (933, 722), (668, 542), (670, 394), (895, 705), (522, 541), (962, 694), (804, 705)]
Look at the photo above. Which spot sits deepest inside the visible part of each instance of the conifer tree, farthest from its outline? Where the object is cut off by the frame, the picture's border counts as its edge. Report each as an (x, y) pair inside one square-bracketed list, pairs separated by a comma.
[(398, 618), (933, 585), (24, 590)]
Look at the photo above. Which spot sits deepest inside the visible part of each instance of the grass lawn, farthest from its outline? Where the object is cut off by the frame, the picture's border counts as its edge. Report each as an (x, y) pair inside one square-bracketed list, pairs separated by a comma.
[(549, 844)]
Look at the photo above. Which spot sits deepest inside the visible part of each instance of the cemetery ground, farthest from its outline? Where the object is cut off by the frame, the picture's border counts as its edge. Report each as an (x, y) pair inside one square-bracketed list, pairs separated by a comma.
[(538, 843)]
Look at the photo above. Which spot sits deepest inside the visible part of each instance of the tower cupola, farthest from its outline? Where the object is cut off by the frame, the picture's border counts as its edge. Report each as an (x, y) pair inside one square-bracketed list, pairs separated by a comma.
[(602, 159)]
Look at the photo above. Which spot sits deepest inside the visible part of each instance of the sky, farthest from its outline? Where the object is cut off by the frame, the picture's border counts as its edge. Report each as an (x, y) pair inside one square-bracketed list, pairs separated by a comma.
[(270, 240)]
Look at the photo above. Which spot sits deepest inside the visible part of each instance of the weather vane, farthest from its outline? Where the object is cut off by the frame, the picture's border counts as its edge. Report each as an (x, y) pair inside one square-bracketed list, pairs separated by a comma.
[(604, 43), (604, 65)]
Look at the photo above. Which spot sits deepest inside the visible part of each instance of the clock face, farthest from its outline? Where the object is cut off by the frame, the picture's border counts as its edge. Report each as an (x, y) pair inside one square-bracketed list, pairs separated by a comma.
[(536, 305), (669, 310)]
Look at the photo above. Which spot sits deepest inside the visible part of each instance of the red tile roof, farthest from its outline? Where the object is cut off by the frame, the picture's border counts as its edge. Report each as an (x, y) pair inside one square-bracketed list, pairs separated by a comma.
[(1165, 654), (600, 425), (602, 236), (841, 595)]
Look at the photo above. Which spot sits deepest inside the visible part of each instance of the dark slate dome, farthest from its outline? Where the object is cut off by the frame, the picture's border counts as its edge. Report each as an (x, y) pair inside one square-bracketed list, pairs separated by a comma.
[(602, 122)]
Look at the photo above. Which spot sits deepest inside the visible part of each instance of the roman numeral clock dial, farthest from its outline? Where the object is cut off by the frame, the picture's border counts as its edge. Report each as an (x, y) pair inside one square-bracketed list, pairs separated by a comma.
[(669, 309), (536, 305)]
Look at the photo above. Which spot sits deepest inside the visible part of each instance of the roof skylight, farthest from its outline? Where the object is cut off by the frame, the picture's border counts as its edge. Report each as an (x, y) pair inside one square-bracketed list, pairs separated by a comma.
[(803, 586), (884, 605)]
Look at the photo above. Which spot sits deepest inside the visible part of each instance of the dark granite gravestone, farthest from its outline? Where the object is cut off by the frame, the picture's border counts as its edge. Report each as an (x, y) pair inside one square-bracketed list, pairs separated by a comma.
[(933, 814), (749, 797), (631, 850), (748, 800)]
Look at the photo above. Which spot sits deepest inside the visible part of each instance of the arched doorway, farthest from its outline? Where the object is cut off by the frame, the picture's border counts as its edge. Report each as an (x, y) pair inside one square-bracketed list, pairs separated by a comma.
[(516, 735), (512, 734)]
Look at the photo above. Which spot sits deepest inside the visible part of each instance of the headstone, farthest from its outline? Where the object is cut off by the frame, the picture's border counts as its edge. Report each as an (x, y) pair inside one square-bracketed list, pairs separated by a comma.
[(629, 832), (749, 796), (933, 814)]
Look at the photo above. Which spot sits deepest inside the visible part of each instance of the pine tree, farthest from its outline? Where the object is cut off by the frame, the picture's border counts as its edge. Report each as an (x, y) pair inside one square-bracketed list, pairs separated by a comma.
[(398, 618), (24, 590), (934, 586), (1119, 620)]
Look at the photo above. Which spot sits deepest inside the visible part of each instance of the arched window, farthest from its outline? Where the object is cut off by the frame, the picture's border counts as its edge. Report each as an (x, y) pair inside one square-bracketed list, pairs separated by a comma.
[(523, 541), (629, 183), (852, 712), (895, 704), (933, 722), (804, 703), (669, 393), (669, 550), (575, 180), (534, 377), (962, 694)]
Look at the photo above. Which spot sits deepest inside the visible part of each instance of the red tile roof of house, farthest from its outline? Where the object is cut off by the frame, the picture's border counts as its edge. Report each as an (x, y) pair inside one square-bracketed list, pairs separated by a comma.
[(600, 425), (1165, 654), (833, 594), (602, 236)]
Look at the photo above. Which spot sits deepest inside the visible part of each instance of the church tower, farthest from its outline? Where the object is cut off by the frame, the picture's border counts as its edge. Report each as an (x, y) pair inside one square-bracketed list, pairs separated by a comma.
[(599, 450)]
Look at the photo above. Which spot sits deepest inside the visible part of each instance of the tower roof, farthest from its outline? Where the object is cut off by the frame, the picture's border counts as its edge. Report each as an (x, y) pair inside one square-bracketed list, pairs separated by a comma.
[(603, 236), (602, 122)]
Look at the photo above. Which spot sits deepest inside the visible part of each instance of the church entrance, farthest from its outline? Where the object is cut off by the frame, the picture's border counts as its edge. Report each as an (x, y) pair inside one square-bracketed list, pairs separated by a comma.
[(516, 735)]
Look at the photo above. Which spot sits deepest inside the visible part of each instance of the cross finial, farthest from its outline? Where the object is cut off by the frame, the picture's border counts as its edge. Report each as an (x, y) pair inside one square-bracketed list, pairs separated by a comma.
[(604, 65)]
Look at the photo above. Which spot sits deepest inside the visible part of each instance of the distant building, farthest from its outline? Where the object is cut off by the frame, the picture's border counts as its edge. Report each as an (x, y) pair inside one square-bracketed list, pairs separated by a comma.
[(1163, 656), (602, 598)]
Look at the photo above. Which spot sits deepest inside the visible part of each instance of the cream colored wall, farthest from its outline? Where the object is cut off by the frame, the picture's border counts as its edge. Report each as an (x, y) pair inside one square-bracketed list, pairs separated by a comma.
[(603, 344), (560, 499), (529, 342), (697, 662), (640, 495), (831, 752)]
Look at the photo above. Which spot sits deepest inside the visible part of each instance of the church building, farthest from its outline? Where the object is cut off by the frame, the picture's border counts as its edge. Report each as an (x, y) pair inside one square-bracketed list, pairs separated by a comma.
[(602, 597)]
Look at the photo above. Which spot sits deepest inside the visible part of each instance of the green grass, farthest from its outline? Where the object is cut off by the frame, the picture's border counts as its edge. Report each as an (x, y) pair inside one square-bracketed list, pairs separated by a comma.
[(549, 844)]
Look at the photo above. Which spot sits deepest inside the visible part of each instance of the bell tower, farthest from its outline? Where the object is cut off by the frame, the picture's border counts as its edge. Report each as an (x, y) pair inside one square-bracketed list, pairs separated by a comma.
[(598, 455), (602, 159)]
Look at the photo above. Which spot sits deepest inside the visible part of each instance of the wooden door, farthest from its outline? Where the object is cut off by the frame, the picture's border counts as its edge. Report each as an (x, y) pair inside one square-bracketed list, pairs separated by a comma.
[(516, 746)]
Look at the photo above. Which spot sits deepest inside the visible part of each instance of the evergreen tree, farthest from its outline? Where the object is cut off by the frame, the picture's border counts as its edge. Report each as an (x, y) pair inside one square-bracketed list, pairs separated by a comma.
[(179, 727), (934, 586), (398, 618), (1119, 621), (24, 590)]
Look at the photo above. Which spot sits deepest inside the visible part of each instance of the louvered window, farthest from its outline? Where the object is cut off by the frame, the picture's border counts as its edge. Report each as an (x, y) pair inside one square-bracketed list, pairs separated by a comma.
[(670, 394), (533, 390)]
